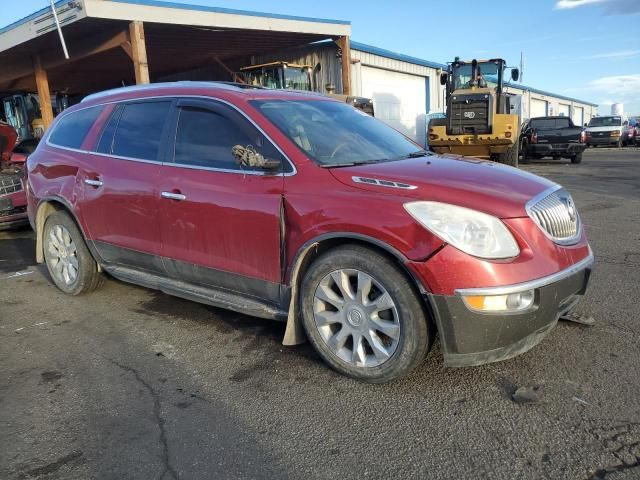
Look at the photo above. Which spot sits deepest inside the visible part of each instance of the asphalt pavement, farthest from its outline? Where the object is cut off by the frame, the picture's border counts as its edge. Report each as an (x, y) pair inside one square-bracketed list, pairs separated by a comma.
[(129, 383)]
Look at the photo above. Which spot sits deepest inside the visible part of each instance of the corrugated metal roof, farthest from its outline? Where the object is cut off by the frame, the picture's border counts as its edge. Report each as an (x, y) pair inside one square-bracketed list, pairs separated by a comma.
[(231, 11), (36, 14), (183, 6), (363, 47)]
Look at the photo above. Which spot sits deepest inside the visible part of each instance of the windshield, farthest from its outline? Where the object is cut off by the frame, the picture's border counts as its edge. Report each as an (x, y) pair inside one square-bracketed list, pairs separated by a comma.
[(296, 79), (336, 134), (265, 77), (605, 122), (462, 74)]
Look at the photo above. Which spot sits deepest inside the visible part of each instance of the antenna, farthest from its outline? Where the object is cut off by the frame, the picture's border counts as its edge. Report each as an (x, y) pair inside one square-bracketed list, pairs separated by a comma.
[(521, 65), (55, 17)]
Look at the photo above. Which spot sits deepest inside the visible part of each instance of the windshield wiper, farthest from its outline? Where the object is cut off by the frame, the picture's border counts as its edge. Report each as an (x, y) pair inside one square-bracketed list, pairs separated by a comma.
[(418, 154), (350, 164)]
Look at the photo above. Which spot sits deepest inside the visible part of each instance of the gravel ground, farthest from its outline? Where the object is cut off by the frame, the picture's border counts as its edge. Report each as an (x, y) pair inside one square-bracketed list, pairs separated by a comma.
[(128, 383)]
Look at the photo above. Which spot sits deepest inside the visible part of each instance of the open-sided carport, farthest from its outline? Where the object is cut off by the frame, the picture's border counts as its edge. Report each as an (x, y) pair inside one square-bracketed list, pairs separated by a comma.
[(121, 42)]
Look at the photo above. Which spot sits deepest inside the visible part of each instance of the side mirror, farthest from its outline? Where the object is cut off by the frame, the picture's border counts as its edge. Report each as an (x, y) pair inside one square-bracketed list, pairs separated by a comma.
[(249, 157), (443, 78), (515, 74)]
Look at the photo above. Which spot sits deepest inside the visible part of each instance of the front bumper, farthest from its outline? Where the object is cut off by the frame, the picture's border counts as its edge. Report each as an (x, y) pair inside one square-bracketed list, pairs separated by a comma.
[(13, 210), (605, 140), (470, 338), (548, 149)]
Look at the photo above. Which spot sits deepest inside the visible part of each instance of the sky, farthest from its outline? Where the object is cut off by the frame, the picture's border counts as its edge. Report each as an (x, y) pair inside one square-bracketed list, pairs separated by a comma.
[(587, 49)]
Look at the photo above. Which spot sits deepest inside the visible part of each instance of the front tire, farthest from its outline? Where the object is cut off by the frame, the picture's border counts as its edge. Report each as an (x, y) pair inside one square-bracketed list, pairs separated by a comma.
[(576, 158), (70, 264), (510, 157), (363, 316)]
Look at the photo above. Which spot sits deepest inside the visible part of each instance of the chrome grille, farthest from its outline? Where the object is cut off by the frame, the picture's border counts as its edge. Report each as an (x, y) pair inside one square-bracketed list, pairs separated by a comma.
[(556, 214), (10, 184)]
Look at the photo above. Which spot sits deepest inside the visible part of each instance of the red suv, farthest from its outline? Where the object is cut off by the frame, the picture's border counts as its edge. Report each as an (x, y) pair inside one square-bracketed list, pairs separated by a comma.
[(297, 207)]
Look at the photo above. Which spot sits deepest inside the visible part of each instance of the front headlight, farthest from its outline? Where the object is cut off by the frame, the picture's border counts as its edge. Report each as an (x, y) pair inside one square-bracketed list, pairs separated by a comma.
[(473, 232)]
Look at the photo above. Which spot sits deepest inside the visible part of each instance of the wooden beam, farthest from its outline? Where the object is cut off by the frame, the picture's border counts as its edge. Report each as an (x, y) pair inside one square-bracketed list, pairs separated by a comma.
[(228, 70), (42, 85), (344, 44), (139, 51), (126, 46), (50, 58)]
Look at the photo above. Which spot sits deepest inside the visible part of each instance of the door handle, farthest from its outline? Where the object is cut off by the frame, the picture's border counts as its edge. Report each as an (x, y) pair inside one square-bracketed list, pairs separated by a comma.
[(93, 183), (173, 196)]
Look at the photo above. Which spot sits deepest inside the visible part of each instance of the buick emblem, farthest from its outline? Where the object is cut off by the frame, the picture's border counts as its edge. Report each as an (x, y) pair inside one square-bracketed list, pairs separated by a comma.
[(570, 207), (469, 114)]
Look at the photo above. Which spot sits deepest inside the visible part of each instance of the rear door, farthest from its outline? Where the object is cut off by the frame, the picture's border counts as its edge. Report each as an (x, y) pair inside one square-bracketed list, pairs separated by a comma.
[(119, 197), (220, 223)]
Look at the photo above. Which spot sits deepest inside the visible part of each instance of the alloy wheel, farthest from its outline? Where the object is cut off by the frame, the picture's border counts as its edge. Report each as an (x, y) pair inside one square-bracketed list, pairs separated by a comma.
[(356, 318), (63, 255)]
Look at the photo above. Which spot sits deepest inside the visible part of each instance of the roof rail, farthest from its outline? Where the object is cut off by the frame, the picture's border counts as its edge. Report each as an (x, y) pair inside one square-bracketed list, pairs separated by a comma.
[(149, 86)]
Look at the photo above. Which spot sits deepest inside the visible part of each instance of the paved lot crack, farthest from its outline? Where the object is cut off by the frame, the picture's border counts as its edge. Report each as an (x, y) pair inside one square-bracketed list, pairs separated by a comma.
[(623, 443), (168, 469)]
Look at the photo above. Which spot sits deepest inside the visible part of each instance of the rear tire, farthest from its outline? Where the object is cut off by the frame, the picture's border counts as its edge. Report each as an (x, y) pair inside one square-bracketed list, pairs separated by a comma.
[(576, 158), (524, 155), (510, 157), (70, 264), (363, 316)]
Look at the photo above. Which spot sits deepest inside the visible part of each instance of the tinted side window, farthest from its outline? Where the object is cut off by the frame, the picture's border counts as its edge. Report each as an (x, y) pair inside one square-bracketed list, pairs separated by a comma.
[(106, 138), (139, 130), (205, 138), (71, 130)]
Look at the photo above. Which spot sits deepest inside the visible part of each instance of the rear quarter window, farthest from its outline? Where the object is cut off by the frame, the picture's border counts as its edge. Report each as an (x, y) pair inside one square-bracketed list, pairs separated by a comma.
[(71, 130)]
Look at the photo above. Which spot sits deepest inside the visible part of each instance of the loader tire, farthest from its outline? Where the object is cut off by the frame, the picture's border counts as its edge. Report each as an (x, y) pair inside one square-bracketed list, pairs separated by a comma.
[(510, 157)]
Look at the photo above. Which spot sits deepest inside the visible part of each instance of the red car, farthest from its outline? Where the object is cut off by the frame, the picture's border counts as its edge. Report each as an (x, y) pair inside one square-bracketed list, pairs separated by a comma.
[(13, 199), (297, 207)]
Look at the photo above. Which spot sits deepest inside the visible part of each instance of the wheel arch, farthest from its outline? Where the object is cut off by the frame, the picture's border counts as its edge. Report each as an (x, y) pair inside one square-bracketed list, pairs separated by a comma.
[(46, 207), (312, 249)]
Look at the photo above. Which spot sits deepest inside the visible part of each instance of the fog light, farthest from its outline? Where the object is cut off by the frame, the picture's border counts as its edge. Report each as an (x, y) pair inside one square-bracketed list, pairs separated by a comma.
[(513, 302)]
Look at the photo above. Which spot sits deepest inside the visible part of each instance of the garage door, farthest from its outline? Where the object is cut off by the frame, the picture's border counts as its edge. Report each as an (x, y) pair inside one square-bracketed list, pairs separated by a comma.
[(564, 110), (399, 99), (538, 108), (578, 116)]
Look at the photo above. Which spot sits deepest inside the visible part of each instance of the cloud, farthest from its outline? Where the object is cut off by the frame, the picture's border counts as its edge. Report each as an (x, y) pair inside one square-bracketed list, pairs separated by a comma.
[(621, 54), (569, 4), (626, 85), (613, 7)]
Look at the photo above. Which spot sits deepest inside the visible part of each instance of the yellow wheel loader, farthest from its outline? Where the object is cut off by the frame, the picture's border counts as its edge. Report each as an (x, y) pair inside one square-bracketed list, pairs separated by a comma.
[(296, 77), (478, 121)]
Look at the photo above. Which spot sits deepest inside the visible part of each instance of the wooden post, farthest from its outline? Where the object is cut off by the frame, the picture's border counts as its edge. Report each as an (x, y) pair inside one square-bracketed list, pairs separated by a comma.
[(344, 44), (139, 52), (42, 85)]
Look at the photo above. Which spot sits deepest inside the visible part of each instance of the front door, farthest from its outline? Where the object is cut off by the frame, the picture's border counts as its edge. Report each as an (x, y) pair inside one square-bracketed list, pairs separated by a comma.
[(119, 200), (219, 222)]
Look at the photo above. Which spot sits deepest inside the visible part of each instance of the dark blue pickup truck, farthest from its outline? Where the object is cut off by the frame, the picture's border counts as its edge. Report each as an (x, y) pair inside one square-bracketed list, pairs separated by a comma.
[(555, 137)]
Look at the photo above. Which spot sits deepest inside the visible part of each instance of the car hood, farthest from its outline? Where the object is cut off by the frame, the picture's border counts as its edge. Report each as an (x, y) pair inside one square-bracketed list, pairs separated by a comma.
[(481, 185), (8, 140), (610, 128)]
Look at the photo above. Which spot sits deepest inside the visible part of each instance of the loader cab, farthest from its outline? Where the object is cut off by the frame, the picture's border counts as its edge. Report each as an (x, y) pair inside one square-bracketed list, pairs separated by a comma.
[(475, 93), (277, 75)]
